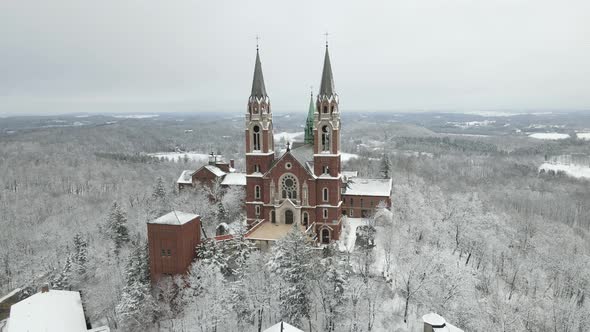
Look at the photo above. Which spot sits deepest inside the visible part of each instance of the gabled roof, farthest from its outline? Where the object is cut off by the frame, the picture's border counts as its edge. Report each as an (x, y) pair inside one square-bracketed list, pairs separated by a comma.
[(369, 187), (215, 170), (234, 179), (174, 218), (258, 88), (303, 154), (282, 327), (327, 84)]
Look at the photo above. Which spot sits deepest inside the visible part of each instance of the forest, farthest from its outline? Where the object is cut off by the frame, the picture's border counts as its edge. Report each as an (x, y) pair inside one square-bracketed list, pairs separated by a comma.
[(476, 232)]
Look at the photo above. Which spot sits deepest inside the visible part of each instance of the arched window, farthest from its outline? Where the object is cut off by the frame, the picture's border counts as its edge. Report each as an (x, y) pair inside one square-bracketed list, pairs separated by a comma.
[(325, 236), (325, 212), (257, 192), (256, 137), (325, 194), (273, 216), (257, 210), (325, 109), (289, 186), (288, 217), (305, 219), (325, 138), (255, 110), (332, 109)]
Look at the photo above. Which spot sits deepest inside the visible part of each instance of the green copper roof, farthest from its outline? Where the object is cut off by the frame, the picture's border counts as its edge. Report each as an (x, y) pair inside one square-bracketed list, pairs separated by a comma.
[(258, 88), (309, 122)]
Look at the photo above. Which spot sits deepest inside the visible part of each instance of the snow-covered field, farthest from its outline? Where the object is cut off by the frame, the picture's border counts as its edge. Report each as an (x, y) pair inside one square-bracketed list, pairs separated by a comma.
[(137, 116), (180, 156), (288, 137), (584, 136), (344, 157), (577, 171), (549, 136)]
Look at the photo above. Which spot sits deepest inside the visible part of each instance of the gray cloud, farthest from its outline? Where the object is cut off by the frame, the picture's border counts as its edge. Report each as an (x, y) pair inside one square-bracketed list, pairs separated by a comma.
[(112, 55)]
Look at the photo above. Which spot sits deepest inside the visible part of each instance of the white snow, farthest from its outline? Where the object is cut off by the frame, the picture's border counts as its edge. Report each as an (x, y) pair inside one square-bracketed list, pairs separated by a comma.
[(584, 136), (180, 156), (234, 179), (549, 136), (288, 137), (174, 218), (137, 116), (347, 244), (215, 170), (55, 310), (282, 327), (577, 171), (369, 187), (185, 177), (344, 156)]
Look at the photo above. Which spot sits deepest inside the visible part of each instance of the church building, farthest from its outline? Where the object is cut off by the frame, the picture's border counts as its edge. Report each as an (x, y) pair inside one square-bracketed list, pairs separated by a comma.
[(303, 185)]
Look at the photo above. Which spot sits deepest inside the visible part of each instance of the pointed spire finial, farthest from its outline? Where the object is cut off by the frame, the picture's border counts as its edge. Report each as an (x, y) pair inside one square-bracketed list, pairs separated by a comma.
[(258, 88), (257, 40), (327, 83), (326, 34)]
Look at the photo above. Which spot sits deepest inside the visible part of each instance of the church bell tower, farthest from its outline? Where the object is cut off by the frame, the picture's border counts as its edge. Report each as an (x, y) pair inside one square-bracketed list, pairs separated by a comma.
[(259, 143)]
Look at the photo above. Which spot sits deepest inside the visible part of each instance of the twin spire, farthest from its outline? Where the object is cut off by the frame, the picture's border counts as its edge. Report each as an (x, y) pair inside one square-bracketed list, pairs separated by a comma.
[(258, 88), (326, 86)]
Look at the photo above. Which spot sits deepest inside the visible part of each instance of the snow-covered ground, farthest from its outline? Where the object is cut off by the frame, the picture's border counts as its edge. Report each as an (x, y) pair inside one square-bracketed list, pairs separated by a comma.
[(344, 157), (584, 136), (179, 156), (137, 116), (549, 136), (347, 243), (577, 171), (288, 137)]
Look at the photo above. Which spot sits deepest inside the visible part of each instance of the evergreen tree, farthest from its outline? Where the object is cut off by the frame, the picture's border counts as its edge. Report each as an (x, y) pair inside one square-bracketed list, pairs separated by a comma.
[(211, 252), (221, 213), (332, 281), (80, 253), (159, 204), (385, 167), (117, 227), (63, 280), (136, 309), (291, 261)]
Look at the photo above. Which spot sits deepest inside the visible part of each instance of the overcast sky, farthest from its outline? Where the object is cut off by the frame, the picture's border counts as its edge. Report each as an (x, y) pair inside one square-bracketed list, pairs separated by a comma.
[(114, 55)]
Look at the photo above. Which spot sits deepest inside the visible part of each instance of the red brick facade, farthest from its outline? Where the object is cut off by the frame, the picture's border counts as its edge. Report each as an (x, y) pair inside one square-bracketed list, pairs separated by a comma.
[(172, 247)]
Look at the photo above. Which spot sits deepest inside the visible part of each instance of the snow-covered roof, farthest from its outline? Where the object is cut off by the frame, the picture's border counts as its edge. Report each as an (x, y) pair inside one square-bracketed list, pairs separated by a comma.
[(215, 170), (9, 295), (282, 327), (174, 218), (186, 177), (234, 179), (439, 324), (55, 310), (369, 187)]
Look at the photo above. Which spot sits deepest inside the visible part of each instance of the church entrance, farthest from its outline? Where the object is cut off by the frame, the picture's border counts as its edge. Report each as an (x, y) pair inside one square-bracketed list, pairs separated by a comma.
[(325, 236), (288, 217)]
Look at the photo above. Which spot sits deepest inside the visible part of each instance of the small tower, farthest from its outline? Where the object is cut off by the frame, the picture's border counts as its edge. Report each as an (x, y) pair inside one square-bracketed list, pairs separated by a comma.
[(259, 142), (309, 122)]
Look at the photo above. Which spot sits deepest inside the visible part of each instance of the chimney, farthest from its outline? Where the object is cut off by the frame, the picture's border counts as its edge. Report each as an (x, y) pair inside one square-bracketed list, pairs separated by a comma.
[(231, 163), (45, 288)]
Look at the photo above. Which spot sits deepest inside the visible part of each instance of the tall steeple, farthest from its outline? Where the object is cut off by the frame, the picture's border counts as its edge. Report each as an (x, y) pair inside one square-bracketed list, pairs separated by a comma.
[(309, 122), (258, 88), (327, 85)]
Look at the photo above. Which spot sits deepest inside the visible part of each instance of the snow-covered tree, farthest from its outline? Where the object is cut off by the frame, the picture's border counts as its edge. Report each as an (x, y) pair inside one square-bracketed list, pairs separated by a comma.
[(116, 227), (136, 308), (385, 166), (331, 282), (63, 279), (80, 253), (291, 260)]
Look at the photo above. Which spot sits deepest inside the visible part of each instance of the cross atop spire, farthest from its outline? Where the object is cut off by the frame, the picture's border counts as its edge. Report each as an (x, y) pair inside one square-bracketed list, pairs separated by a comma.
[(326, 34), (258, 88)]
